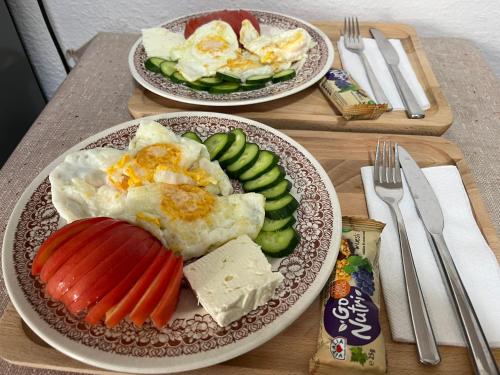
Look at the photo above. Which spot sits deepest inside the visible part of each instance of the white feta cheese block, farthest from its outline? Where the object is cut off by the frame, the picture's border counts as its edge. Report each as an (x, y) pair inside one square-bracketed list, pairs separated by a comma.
[(160, 42), (233, 280)]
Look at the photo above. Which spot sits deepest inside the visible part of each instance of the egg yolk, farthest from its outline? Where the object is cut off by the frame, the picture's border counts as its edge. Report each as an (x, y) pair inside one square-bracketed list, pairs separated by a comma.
[(186, 202), (140, 169), (240, 62), (212, 44)]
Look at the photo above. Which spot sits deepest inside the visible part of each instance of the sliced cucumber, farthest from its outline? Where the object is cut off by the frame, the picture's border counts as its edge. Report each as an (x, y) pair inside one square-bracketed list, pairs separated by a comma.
[(153, 64), (198, 85), (228, 77), (225, 88), (271, 225), (167, 68), (281, 208), (277, 191), (234, 152), (245, 161), (251, 86), (284, 75), (259, 79), (210, 81), (265, 181), (265, 162), (177, 77), (217, 144), (193, 136), (278, 244)]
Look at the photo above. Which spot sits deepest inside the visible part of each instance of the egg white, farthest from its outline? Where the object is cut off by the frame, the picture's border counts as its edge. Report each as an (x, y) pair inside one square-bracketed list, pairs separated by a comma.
[(160, 42)]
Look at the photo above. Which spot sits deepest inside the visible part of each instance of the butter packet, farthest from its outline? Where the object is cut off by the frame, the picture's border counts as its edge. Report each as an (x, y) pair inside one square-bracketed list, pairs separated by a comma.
[(345, 94), (350, 338)]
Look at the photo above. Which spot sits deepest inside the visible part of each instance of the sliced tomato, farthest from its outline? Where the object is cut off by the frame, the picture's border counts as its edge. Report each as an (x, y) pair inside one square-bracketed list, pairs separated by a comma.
[(232, 17), (83, 261), (128, 253), (127, 304), (59, 237), (76, 244), (150, 299), (98, 311), (168, 302)]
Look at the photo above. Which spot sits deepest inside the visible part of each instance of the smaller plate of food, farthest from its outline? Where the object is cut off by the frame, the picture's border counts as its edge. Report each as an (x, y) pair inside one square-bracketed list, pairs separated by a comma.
[(230, 57), (172, 242)]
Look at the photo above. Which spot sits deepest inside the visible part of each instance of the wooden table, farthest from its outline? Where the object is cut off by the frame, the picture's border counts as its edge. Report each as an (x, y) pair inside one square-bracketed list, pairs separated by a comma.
[(95, 96)]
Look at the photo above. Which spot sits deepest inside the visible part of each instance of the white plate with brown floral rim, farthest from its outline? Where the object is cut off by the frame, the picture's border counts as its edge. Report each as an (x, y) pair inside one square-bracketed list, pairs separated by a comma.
[(315, 66), (192, 339)]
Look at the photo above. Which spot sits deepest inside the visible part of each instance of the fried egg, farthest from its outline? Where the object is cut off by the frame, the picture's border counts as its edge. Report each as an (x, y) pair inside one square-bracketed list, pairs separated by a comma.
[(206, 50), (160, 42), (245, 65), (164, 183)]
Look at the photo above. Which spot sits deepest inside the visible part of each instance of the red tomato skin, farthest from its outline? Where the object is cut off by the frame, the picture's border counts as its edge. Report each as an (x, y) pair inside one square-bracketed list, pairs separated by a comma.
[(98, 311), (168, 302), (59, 238), (232, 17), (127, 304), (126, 255), (85, 260), (154, 292), (69, 248)]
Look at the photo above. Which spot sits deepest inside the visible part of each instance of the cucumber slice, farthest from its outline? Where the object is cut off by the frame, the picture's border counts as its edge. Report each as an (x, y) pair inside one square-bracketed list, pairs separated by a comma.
[(278, 190), (284, 75), (271, 225), (281, 208), (234, 152), (193, 136), (251, 86), (225, 88), (259, 79), (278, 244), (153, 64), (265, 162), (177, 77), (167, 68), (265, 181), (217, 144), (228, 77), (210, 81), (245, 161), (198, 85)]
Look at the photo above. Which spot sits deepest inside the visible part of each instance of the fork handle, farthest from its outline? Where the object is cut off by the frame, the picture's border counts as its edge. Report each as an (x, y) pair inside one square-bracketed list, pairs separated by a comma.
[(424, 336), (374, 84)]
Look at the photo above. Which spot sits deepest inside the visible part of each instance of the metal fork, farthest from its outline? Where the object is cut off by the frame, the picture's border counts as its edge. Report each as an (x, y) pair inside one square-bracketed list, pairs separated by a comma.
[(354, 43), (388, 186)]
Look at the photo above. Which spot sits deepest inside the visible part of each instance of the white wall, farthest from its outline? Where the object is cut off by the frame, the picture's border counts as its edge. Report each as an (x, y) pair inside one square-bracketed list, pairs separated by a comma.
[(75, 22)]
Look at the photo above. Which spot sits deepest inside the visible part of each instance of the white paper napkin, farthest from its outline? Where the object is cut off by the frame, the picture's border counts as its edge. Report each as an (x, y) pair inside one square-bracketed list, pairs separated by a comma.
[(473, 258), (353, 65)]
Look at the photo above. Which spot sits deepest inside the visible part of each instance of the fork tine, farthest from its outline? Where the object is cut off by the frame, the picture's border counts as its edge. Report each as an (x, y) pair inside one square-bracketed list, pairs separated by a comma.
[(351, 28), (376, 166), (397, 166), (383, 172), (344, 31), (357, 28), (390, 163)]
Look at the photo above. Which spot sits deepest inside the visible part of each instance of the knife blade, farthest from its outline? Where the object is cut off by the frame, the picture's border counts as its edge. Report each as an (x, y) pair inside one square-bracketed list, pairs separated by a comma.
[(430, 212), (413, 109)]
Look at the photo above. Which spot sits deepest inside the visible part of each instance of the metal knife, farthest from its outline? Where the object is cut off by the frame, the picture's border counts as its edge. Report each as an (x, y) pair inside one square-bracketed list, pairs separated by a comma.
[(391, 57), (430, 212)]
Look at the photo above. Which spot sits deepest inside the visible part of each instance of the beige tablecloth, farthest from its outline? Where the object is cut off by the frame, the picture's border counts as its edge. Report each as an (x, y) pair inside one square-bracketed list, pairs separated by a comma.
[(95, 94)]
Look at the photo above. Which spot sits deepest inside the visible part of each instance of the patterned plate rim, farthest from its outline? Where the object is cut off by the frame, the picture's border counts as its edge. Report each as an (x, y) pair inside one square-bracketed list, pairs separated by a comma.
[(222, 103), (114, 362)]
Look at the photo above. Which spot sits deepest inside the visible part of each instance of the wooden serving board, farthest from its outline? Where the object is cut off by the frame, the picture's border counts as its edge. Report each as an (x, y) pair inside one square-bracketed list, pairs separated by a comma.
[(342, 155), (310, 110)]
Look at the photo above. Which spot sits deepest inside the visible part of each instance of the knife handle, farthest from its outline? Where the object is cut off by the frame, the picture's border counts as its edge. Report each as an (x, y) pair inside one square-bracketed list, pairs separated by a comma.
[(424, 336), (479, 350), (413, 109)]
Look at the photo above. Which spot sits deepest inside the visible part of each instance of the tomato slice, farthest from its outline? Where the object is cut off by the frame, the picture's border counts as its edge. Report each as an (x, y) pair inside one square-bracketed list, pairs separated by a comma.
[(120, 290), (117, 264), (86, 259), (154, 292), (232, 17), (168, 302), (125, 306), (76, 244), (58, 238)]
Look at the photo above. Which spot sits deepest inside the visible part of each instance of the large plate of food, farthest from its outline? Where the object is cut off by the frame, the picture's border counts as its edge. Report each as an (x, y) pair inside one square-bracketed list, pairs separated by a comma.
[(230, 57), (172, 242)]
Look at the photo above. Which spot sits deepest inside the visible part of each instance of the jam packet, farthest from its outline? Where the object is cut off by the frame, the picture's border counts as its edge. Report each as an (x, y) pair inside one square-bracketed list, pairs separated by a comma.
[(345, 94), (350, 339)]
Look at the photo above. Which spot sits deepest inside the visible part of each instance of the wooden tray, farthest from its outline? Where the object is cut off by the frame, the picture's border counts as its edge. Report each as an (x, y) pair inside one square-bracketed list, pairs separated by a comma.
[(289, 352), (310, 110)]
